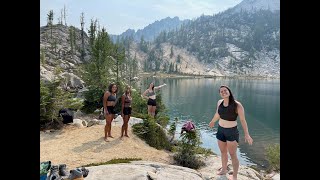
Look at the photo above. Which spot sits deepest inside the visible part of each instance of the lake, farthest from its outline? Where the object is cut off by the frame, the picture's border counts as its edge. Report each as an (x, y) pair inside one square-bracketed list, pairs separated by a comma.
[(196, 99)]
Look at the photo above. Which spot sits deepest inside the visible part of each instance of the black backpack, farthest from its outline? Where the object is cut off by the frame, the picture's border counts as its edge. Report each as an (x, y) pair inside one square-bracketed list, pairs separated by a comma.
[(67, 115)]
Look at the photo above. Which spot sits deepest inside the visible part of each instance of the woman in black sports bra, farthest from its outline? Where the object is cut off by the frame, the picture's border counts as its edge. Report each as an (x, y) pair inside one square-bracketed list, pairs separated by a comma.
[(126, 110), (227, 112), (109, 101), (151, 96)]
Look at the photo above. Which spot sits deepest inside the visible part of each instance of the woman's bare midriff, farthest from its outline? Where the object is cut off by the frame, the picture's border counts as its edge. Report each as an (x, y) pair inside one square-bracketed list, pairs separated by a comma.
[(227, 124), (152, 97), (110, 103)]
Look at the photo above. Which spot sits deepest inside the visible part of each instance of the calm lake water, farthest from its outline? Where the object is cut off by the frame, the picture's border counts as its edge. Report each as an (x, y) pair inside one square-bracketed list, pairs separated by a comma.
[(196, 99)]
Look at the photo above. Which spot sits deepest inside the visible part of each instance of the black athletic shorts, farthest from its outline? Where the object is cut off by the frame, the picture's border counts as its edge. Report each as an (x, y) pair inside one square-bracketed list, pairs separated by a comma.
[(228, 134), (111, 109), (127, 110), (152, 102)]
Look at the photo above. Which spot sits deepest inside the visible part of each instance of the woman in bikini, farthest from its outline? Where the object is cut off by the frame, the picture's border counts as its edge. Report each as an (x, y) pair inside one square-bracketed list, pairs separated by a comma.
[(126, 110), (151, 96), (109, 101)]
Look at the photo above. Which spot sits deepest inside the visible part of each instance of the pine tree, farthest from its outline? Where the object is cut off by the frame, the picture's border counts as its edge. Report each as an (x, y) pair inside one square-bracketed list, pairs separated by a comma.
[(92, 32), (82, 36), (171, 52), (178, 58), (71, 39), (50, 21), (171, 68), (119, 54), (42, 56), (143, 45), (61, 18), (145, 66), (135, 66), (104, 57), (64, 14), (74, 38)]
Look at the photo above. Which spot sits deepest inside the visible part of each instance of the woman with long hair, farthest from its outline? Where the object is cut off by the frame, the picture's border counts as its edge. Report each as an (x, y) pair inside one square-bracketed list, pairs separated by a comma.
[(109, 101), (126, 110), (151, 96), (228, 109)]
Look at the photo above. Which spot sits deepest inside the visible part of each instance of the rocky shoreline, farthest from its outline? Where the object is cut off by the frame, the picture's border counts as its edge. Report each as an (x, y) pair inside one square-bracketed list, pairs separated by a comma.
[(165, 75)]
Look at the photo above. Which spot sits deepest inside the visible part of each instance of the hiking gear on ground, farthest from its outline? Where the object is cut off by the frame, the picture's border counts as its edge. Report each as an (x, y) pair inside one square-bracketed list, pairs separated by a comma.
[(63, 170), (44, 167)]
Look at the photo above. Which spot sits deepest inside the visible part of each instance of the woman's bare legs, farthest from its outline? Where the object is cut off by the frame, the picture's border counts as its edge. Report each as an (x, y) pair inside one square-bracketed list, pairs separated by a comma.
[(150, 110), (126, 126), (232, 148), (153, 111), (224, 157), (109, 125)]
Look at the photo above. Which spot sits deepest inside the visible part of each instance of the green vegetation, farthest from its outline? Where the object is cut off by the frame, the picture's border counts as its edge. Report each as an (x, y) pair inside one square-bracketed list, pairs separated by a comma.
[(114, 161), (152, 133), (106, 57), (53, 98), (171, 52), (187, 150), (273, 156)]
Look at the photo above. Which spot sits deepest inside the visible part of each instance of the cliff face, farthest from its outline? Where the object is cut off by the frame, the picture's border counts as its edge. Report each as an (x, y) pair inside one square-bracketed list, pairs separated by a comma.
[(62, 51)]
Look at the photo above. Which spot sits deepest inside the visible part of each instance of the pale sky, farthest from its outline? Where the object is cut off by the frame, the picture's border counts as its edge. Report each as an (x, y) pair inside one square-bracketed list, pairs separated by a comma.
[(119, 15)]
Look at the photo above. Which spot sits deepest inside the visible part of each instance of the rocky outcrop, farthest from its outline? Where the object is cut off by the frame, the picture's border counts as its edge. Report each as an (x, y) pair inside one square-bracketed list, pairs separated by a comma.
[(145, 170), (72, 80), (141, 170), (56, 52), (59, 47), (213, 163)]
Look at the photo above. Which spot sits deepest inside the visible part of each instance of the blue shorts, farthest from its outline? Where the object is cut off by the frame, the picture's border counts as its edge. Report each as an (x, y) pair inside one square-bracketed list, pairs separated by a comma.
[(228, 134)]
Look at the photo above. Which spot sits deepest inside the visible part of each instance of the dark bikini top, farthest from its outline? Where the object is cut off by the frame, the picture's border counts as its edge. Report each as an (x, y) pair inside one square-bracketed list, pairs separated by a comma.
[(112, 98), (127, 100), (228, 113), (151, 93)]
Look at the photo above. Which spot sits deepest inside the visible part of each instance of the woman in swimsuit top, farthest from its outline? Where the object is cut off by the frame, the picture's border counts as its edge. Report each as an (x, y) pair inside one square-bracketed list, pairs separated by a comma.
[(109, 101), (126, 110), (227, 111), (151, 96)]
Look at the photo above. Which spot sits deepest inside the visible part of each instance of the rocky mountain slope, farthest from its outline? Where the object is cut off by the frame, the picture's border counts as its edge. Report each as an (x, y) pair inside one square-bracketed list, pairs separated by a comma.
[(152, 30), (255, 5), (58, 53), (230, 43)]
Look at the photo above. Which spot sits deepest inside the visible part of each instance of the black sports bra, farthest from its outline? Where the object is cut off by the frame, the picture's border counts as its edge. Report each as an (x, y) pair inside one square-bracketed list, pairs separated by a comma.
[(228, 113), (111, 98)]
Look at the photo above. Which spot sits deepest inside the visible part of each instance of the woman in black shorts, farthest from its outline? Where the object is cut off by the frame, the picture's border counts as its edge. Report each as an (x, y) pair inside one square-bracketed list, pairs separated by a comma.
[(227, 112), (109, 101), (151, 96), (126, 110)]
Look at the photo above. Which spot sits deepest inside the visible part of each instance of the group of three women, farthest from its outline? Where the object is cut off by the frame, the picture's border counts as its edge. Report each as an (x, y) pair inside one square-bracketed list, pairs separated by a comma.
[(109, 102), (227, 111)]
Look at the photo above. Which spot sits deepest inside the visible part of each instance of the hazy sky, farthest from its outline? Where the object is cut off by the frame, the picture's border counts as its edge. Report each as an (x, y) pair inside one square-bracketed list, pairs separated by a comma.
[(119, 15)]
